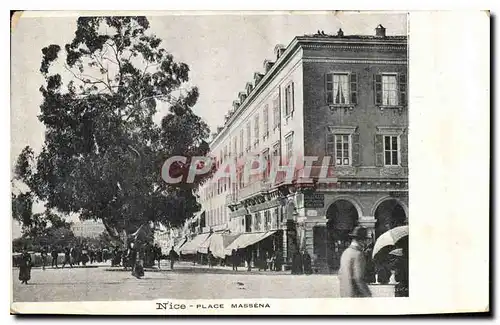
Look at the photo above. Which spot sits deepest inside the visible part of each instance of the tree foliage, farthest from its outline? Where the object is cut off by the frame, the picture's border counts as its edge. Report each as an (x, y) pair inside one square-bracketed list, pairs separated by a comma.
[(103, 152)]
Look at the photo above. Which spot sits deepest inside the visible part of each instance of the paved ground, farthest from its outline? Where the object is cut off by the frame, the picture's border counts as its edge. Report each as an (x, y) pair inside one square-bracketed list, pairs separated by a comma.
[(186, 282)]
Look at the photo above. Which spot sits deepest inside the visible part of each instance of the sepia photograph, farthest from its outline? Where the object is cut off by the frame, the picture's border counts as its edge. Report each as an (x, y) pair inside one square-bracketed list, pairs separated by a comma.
[(196, 156)]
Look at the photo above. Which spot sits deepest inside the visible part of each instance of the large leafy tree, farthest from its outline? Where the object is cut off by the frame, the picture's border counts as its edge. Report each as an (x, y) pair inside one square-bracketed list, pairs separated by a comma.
[(103, 152)]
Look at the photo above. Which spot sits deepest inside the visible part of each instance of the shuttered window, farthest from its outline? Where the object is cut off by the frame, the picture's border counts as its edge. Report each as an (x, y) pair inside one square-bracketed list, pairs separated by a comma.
[(341, 88), (289, 99), (390, 89)]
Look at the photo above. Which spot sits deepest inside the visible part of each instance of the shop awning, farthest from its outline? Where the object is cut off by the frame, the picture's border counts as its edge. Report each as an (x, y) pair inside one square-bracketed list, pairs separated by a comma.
[(245, 240), (217, 243), (177, 248), (191, 247)]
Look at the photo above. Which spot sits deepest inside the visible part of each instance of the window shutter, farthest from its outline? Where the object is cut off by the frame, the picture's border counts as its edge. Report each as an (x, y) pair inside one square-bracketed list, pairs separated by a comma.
[(377, 85), (355, 150), (404, 148), (403, 91), (354, 88), (293, 99), (379, 150), (330, 147), (328, 102)]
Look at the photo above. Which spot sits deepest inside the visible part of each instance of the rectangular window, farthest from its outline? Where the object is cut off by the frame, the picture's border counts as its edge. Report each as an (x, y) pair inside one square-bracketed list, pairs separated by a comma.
[(337, 88), (248, 223), (391, 150), (289, 100), (256, 130), (249, 136), (258, 223), (267, 220), (276, 150), (235, 146), (265, 119), (241, 142), (289, 147), (342, 150), (276, 112), (389, 90), (267, 171)]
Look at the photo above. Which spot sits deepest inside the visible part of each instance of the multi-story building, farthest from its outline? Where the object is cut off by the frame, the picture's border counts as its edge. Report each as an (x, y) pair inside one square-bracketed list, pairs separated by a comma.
[(88, 228), (339, 96)]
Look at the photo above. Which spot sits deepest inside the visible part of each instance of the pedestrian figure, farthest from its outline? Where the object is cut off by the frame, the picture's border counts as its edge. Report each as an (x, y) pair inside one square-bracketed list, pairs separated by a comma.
[(278, 261), (158, 254), (44, 257), (67, 257), (25, 267), (210, 259), (74, 255), (249, 260), (370, 265), (270, 262), (297, 267), (234, 259), (173, 256), (352, 266), (306, 261), (54, 253)]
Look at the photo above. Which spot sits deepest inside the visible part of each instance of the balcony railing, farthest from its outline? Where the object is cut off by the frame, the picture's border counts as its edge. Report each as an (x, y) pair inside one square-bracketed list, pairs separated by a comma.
[(254, 188), (231, 198)]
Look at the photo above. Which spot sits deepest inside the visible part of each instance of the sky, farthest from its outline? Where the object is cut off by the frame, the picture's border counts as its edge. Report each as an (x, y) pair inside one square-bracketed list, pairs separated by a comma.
[(223, 51)]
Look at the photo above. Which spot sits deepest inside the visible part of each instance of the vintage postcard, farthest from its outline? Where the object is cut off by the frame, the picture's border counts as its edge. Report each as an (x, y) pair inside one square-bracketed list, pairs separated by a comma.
[(217, 163)]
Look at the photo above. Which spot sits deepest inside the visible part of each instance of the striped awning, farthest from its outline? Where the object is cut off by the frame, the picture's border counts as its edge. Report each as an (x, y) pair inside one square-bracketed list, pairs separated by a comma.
[(191, 247), (245, 240)]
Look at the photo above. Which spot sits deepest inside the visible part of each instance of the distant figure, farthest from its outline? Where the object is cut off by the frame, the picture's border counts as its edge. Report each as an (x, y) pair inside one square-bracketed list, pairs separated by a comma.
[(74, 255), (54, 253), (235, 259), (43, 253), (306, 261), (67, 257), (278, 260), (25, 267), (173, 256), (297, 267), (249, 260), (370, 265), (157, 254), (210, 259), (352, 266), (270, 262)]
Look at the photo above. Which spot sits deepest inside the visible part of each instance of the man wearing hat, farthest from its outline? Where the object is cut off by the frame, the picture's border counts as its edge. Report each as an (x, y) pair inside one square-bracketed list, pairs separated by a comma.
[(352, 266)]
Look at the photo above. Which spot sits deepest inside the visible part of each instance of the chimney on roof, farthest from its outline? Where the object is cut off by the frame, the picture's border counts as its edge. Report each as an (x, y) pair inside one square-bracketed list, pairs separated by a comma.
[(380, 31), (267, 65), (236, 104), (340, 33), (257, 77), (278, 50)]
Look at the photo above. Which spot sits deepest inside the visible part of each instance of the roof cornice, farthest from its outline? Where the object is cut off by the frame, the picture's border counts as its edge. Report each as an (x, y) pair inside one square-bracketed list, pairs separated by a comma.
[(387, 43)]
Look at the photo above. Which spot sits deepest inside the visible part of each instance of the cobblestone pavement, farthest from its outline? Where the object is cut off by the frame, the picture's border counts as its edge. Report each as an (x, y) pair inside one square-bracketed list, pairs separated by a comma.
[(91, 284)]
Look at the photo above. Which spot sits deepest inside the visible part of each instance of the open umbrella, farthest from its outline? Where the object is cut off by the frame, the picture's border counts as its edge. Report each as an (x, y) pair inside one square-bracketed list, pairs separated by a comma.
[(390, 238)]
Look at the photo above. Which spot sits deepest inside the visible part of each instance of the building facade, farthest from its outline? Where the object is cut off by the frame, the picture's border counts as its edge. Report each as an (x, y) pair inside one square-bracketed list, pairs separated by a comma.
[(88, 228), (338, 96)]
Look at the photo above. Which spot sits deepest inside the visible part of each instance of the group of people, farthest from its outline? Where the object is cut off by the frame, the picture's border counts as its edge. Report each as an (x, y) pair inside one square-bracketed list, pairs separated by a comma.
[(74, 255), (271, 261), (301, 263)]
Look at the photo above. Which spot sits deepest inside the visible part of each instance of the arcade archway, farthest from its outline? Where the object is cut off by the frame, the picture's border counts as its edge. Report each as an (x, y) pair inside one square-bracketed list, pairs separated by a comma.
[(389, 214), (342, 217)]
